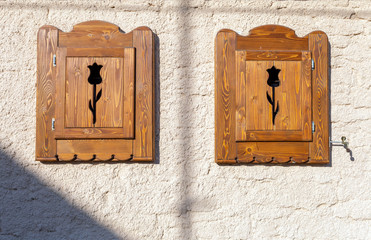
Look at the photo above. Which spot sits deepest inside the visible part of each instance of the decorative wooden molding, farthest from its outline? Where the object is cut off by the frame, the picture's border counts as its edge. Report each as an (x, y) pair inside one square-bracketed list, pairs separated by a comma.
[(265, 123), (117, 123)]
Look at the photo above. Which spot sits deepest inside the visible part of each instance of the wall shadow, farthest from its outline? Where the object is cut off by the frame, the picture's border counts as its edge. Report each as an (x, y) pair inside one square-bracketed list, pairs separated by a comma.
[(157, 98), (185, 205), (29, 209)]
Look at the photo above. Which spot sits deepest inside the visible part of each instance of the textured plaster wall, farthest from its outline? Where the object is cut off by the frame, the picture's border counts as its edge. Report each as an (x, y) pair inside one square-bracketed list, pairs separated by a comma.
[(185, 195)]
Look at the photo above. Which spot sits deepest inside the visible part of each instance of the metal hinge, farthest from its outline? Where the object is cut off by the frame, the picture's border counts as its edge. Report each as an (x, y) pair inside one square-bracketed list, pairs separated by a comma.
[(312, 64), (53, 124), (54, 60), (313, 127)]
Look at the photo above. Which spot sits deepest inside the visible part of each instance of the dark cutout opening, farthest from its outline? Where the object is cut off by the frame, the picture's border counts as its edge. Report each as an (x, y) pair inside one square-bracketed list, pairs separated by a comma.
[(95, 79), (273, 82)]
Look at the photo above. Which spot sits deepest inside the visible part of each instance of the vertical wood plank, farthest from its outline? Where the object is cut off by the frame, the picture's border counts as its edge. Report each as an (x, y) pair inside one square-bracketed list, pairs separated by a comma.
[(129, 75), (143, 147), (77, 96), (47, 42), (319, 148), (110, 106), (240, 95), (60, 85), (307, 95), (225, 99)]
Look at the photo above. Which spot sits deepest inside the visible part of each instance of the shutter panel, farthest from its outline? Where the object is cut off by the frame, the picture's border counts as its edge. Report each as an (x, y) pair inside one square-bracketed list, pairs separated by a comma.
[(268, 97), (95, 94), (257, 102), (114, 98)]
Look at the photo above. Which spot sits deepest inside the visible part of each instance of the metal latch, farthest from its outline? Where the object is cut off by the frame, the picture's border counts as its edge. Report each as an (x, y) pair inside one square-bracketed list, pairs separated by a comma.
[(54, 60), (313, 127), (312, 64), (343, 142), (53, 124)]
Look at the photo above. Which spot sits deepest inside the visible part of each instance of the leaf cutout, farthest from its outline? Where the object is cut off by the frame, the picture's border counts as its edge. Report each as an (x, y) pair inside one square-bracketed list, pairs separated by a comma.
[(91, 107), (277, 108), (99, 95), (269, 99)]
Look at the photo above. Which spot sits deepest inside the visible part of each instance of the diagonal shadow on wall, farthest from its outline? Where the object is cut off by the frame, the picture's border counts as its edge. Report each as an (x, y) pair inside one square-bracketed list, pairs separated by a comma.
[(29, 209)]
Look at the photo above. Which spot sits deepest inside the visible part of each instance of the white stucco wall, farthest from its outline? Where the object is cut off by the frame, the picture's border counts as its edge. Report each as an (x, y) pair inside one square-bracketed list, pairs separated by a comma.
[(186, 195)]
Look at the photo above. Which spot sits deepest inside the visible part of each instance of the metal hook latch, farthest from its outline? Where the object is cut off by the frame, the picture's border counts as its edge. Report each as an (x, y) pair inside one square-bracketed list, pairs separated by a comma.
[(343, 142)]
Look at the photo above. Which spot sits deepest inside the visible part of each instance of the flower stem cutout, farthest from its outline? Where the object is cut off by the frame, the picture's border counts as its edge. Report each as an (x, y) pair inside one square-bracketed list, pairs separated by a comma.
[(95, 79), (273, 82)]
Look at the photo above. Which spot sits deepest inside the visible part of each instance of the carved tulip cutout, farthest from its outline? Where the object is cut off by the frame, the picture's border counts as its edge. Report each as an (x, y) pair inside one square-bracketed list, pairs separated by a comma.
[(95, 79)]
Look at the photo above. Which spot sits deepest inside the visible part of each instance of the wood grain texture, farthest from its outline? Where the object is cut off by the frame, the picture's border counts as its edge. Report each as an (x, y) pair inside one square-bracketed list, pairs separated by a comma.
[(241, 71), (118, 122), (302, 96), (95, 52), (319, 148), (293, 96), (110, 108), (273, 55), (266, 152), (75, 120), (95, 34), (143, 147), (129, 91), (60, 91), (225, 99), (47, 41), (306, 81), (272, 37), (94, 150)]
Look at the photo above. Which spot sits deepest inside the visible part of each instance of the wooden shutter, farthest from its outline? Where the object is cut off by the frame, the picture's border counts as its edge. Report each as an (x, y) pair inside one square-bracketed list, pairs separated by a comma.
[(260, 121), (114, 109), (292, 97), (95, 94)]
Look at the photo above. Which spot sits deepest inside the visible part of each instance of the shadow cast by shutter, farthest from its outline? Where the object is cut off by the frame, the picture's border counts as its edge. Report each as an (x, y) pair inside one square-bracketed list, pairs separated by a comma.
[(29, 209)]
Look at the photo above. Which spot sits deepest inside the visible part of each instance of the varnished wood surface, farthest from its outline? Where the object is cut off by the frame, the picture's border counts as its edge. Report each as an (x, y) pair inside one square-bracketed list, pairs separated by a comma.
[(94, 150), (266, 152), (292, 122), (319, 148), (129, 92), (47, 41), (100, 42), (143, 147), (79, 91), (76, 118), (271, 37), (273, 55), (225, 87), (241, 89), (95, 34), (95, 52), (303, 97)]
